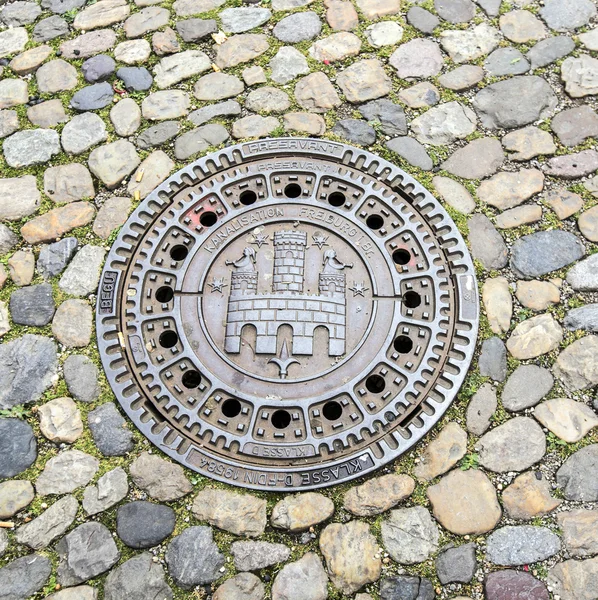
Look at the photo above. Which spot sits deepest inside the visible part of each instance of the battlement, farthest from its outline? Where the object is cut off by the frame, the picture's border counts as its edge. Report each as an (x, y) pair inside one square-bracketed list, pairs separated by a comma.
[(287, 304), (243, 282)]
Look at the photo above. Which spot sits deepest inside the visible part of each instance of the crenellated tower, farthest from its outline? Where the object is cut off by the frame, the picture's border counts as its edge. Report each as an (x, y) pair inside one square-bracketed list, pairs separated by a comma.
[(289, 261)]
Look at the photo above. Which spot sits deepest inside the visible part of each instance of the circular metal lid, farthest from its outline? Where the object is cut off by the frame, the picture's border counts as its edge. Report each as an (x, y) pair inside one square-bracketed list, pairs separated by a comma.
[(287, 314)]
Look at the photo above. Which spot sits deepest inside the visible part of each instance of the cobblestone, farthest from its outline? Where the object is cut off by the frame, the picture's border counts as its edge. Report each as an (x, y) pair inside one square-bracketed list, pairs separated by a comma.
[(490, 105)]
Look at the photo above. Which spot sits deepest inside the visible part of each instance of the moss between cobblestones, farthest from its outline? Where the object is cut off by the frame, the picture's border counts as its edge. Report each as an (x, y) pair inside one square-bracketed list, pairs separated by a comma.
[(406, 463)]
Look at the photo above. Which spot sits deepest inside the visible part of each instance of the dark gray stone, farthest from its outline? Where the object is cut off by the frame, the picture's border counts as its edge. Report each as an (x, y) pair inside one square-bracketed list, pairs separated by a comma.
[(506, 61), (51, 524), (422, 19), (412, 151), (355, 131), (579, 475), (550, 50), (27, 369), (190, 143), (526, 386), (32, 305), (390, 116), (493, 359), (50, 28), (585, 318), (62, 6), (109, 432), (93, 97), (158, 134), (23, 577), (18, 448), (455, 11), (543, 252), (98, 68), (230, 108), (521, 545), (193, 558), (144, 524), (213, 134), (298, 27), (569, 15), (406, 587), (8, 239), (136, 79), (53, 258), (487, 245), (139, 578), (456, 565), (199, 139), (194, 30), (81, 376), (84, 553), (515, 102)]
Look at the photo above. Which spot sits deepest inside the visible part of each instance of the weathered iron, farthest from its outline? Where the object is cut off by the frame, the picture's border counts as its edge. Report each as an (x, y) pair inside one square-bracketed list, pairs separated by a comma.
[(287, 314)]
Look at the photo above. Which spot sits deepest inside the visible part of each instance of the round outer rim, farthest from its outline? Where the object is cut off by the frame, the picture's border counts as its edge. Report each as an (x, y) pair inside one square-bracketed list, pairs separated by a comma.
[(108, 336)]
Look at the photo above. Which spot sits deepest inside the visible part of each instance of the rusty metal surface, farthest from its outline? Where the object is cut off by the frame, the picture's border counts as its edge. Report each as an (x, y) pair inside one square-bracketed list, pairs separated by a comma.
[(287, 314)]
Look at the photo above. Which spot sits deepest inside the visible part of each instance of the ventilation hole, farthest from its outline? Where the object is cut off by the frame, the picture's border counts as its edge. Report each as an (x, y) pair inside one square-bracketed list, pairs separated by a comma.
[(191, 379), (179, 252), (247, 197), (403, 344), (401, 256), (332, 410), (375, 384), (336, 199), (168, 338), (281, 419), (208, 218), (164, 294), (231, 408), (374, 221), (412, 299), (293, 190)]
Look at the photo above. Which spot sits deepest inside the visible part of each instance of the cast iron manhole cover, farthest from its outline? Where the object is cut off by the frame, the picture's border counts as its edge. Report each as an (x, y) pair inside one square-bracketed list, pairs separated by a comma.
[(287, 314)]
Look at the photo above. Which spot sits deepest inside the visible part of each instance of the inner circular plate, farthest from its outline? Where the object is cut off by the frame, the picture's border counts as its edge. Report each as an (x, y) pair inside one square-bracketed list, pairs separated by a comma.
[(287, 314)]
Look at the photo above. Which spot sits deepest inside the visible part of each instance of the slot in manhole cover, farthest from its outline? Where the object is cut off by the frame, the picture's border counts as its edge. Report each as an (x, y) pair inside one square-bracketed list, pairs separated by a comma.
[(287, 314)]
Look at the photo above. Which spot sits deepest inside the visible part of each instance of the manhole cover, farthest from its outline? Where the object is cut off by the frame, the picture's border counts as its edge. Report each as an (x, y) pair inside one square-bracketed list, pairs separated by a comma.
[(287, 314)]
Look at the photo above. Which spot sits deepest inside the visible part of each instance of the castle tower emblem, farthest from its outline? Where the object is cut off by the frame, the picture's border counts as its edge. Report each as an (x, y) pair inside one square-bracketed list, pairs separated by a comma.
[(287, 304)]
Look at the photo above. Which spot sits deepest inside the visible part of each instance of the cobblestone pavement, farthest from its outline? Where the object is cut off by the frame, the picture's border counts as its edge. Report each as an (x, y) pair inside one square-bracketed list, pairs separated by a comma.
[(491, 105)]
